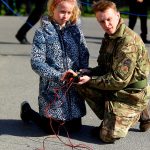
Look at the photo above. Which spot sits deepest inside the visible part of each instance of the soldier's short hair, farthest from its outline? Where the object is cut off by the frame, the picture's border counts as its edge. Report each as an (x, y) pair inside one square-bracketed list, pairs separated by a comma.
[(103, 5)]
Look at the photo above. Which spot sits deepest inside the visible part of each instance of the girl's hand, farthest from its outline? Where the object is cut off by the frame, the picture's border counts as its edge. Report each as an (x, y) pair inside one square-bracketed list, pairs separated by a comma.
[(68, 74)]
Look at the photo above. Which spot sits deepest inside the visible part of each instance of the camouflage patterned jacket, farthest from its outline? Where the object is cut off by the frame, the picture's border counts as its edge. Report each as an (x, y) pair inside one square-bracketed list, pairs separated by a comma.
[(123, 60)]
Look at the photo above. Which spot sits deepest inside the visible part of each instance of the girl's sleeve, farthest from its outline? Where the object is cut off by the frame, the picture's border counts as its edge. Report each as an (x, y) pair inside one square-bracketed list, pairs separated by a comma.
[(38, 58)]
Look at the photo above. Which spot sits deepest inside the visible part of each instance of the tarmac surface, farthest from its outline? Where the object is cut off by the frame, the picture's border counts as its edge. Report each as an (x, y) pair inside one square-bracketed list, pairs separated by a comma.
[(18, 83)]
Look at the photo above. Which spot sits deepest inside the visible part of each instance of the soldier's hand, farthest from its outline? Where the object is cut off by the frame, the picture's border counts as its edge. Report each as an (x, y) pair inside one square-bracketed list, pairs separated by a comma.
[(140, 1), (83, 79)]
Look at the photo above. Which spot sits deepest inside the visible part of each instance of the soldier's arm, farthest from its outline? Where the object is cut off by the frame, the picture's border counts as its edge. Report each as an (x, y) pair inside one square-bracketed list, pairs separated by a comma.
[(124, 64)]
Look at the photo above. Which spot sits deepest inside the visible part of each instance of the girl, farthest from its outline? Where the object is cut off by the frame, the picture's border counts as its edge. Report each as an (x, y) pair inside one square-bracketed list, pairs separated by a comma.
[(58, 45)]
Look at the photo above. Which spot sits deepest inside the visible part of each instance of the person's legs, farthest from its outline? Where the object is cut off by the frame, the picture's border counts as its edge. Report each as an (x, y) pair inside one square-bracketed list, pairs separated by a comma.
[(28, 4), (49, 125), (73, 125), (117, 117), (33, 18), (132, 21), (143, 20), (11, 5), (133, 9), (116, 124), (94, 98), (122, 111)]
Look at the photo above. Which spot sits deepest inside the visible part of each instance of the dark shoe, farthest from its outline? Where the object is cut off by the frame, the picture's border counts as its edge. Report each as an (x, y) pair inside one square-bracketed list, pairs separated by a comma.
[(145, 40), (73, 125), (144, 125), (25, 111), (95, 132), (22, 40)]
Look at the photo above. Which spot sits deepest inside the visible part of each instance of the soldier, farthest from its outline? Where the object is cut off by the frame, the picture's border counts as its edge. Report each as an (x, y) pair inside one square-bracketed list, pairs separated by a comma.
[(116, 89)]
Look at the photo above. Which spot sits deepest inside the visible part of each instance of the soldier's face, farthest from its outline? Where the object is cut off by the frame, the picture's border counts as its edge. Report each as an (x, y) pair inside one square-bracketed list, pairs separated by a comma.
[(108, 20)]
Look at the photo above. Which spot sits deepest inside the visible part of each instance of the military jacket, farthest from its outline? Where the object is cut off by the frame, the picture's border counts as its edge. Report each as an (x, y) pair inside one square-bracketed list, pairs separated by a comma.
[(123, 60)]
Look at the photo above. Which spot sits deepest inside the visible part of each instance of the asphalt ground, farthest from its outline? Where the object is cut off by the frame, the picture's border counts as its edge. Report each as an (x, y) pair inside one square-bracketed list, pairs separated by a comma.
[(18, 83)]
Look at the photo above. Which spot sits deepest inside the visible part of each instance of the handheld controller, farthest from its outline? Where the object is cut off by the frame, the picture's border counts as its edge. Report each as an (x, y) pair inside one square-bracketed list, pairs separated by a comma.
[(71, 77)]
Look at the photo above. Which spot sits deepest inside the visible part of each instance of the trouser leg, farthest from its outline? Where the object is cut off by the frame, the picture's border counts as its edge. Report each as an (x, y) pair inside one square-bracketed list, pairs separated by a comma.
[(49, 125), (116, 126), (132, 21), (94, 99), (117, 117), (143, 20), (53, 126), (32, 19)]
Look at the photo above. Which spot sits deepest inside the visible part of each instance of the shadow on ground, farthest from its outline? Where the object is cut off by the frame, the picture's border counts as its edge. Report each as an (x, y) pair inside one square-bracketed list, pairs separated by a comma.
[(18, 128), (16, 43)]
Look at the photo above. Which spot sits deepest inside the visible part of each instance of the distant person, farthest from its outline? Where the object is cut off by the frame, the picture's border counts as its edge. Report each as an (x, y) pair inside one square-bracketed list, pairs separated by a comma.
[(35, 15), (28, 4), (11, 4), (139, 8), (18, 5), (58, 45)]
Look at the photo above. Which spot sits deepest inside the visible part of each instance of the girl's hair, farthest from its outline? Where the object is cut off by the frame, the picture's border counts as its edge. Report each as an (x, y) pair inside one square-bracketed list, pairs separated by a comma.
[(103, 5), (51, 5)]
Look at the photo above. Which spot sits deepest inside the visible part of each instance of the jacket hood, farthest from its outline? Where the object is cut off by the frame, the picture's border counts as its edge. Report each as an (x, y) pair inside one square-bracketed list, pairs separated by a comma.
[(48, 24)]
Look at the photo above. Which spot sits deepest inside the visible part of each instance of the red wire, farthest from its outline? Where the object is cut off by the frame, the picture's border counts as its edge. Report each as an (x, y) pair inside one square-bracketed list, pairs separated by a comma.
[(70, 144)]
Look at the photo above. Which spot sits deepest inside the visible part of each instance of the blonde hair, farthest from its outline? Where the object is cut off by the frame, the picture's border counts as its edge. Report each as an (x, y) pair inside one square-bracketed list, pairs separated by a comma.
[(103, 5), (51, 5)]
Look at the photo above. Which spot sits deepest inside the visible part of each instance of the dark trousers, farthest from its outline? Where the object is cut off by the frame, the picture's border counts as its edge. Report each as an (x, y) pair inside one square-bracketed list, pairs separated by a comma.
[(53, 126), (140, 10), (35, 15), (143, 20)]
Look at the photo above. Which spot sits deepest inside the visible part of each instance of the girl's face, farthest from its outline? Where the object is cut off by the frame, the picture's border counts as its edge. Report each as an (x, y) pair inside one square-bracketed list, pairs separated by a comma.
[(63, 12)]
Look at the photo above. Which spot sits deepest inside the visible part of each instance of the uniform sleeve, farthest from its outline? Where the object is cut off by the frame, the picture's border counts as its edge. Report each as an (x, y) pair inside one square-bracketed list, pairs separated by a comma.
[(123, 66), (38, 58)]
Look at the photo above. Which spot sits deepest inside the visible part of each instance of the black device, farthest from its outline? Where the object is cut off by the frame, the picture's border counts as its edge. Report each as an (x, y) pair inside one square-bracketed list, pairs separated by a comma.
[(70, 77)]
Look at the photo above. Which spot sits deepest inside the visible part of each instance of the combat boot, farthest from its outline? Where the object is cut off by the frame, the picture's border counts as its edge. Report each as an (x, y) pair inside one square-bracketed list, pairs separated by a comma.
[(145, 119), (144, 125)]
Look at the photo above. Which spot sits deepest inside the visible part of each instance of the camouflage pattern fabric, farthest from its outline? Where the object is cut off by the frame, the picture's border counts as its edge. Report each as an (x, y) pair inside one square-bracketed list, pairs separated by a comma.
[(117, 116), (145, 115), (123, 60)]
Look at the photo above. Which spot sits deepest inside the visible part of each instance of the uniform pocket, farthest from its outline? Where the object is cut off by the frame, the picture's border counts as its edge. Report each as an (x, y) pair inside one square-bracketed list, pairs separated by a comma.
[(133, 97)]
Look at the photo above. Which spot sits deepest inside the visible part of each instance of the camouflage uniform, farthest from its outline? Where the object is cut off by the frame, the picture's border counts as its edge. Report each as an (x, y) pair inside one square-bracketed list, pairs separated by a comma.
[(117, 91)]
